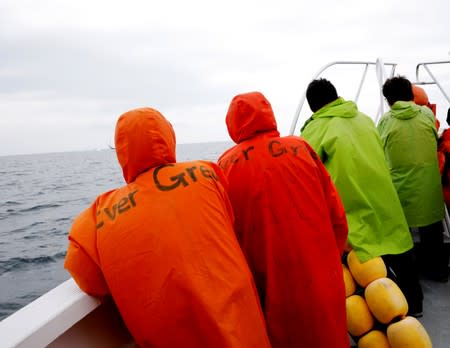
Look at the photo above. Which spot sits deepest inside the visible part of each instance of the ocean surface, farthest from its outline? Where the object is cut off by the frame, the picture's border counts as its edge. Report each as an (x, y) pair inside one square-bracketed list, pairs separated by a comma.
[(39, 197)]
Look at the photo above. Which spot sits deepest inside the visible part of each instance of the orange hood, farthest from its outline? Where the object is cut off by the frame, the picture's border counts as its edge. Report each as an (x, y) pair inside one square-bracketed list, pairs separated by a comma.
[(250, 114), (144, 139), (420, 96)]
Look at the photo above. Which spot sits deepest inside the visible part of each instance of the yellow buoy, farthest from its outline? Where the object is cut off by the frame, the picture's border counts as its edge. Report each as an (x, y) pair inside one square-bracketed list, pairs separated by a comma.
[(350, 286), (408, 332), (359, 318), (385, 300), (366, 272), (374, 339)]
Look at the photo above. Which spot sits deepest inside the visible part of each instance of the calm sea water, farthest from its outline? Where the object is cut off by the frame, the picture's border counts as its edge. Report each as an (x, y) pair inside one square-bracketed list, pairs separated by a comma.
[(39, 197)]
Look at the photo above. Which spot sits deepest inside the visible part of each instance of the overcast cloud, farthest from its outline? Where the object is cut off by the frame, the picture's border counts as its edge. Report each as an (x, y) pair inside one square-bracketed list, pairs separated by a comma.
[(68, 69)]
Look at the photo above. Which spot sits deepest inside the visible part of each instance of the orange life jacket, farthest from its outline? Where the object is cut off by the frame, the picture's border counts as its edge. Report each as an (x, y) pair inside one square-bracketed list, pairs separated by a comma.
[(164, 247), (291, 225)]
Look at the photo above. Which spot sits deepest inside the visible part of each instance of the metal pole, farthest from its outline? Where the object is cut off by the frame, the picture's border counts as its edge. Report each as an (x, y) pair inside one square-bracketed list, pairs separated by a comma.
[(302, 99)]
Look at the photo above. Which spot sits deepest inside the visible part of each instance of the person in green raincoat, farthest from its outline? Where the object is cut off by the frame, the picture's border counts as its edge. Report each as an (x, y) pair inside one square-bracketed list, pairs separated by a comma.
[(409, 138), (349, 145)]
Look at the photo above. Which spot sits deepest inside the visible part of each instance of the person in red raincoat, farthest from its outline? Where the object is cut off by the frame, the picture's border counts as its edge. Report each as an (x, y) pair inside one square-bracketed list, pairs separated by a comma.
[(164, 247), (444, 160), (291, 225)]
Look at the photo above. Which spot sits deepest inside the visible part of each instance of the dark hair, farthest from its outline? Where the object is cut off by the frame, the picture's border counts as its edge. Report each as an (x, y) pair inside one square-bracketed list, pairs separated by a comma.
[(397, 88), (448, 116), (319, 93)]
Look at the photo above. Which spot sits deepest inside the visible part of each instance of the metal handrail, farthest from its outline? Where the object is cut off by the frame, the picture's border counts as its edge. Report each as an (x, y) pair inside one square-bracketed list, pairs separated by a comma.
[(435, 81), (325, 67)]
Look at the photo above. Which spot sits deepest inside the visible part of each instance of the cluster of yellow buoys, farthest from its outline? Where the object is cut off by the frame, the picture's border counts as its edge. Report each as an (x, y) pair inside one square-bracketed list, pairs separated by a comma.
[(376, 308)]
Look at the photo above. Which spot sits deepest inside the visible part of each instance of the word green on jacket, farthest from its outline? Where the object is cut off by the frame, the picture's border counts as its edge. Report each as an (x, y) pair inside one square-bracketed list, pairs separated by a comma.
[(409, 138), (349, 145)]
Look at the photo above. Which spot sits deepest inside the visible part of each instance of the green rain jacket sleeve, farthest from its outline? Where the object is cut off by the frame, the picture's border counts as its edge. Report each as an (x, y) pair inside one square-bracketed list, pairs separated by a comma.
[(314, 134)]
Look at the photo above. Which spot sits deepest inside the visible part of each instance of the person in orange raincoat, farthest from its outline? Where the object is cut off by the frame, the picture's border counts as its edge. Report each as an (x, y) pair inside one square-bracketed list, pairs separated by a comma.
[(291, 225), (164, 247)]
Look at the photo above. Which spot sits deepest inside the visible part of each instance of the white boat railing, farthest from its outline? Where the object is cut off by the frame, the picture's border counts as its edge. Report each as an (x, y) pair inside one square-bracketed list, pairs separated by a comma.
[(381, 76), (434, 80)]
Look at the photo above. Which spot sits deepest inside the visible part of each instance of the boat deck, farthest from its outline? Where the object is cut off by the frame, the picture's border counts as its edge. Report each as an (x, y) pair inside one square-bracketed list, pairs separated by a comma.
[(436, 314)]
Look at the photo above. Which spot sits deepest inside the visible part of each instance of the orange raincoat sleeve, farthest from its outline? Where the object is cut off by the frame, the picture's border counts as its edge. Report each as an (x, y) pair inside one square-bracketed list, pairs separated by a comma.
[(82, 258), (335, 205)]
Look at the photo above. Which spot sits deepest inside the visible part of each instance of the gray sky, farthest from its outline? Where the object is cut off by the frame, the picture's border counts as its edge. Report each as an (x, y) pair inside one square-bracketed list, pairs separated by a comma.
[(68, 69)]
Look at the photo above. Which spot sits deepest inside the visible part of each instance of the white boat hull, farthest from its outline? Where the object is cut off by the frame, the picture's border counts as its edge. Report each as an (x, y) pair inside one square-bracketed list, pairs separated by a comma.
[(65, 317)]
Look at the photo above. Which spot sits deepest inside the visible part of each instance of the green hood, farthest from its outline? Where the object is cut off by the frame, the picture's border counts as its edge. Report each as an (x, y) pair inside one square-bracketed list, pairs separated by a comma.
[(404, 110), (337, 108)]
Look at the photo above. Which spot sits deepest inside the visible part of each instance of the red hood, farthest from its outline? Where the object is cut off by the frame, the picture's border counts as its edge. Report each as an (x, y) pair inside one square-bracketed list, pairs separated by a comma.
[(420, 96), (144, 139), (250, 114)]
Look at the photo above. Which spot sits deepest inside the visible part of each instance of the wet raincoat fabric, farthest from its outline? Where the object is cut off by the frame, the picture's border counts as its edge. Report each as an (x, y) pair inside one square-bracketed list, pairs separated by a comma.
[(444, 163), (409, 138), (164, 247), (421, 98), (349, 145), (291, 225)]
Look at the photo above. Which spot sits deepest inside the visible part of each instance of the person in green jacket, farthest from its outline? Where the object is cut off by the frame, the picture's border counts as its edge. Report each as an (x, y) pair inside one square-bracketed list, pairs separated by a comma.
[(409, 138), (349, 145)]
